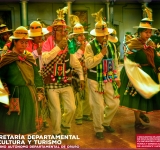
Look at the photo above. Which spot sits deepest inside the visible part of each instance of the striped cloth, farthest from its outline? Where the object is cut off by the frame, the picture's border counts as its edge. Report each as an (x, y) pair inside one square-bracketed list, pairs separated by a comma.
[(99, 69)]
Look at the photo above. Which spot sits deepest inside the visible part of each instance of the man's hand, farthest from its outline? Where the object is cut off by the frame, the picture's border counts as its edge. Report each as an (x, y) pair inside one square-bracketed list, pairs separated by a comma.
[(39, 50), (83, 45), (82, 84), (104, 50), (62, 44)]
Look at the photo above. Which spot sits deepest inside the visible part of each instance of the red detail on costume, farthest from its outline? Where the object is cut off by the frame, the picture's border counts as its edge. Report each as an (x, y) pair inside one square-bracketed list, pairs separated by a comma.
[(105, 66), (63, 51), (65, 81), (8, 44), (147, 46), (22, 58), (118, 96), (60, 69)]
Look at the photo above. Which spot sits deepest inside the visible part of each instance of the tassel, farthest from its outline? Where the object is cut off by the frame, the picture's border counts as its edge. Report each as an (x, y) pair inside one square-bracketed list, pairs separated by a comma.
[(115, 87), (100, 89)]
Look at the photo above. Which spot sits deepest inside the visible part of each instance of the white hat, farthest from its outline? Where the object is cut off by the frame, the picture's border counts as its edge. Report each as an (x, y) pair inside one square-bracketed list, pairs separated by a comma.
[(20, 33), (100, 27), (45, 31)]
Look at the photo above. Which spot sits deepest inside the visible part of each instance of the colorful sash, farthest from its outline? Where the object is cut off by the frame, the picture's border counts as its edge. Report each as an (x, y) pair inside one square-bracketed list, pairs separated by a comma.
[(106, 71), (99, 70)]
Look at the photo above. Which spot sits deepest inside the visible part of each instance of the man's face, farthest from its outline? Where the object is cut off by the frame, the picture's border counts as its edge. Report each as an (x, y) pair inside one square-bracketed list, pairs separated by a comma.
[(102, 39), (6, 36), (81, 37), (37, 39), (61, 32)]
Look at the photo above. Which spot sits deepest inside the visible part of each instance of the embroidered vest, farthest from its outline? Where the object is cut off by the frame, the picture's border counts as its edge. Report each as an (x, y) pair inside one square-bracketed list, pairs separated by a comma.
[(92, 73), (59, 71)]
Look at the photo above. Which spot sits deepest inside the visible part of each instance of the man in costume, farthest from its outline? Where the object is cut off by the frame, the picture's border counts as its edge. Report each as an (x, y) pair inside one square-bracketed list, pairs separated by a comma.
[(103, 80), (35, 45), (77, 45), (56, 73), (5, 33)]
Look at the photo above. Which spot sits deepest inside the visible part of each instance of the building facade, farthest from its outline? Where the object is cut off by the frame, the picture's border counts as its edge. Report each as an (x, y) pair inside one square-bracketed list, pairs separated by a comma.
[(120, 14)]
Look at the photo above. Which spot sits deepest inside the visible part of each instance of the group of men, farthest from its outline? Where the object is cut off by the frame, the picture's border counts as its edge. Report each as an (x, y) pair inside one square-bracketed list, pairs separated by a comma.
[(96, 64)]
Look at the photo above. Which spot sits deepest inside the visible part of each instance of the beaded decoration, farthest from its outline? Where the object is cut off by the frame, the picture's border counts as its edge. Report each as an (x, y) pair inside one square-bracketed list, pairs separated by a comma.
[(130, 89), (59, 73), (109, 72), (110, 75)]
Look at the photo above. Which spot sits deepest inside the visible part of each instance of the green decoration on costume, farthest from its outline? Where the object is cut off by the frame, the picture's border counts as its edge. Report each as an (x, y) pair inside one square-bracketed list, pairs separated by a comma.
[(99, 70), (72, 46), (115, 88)]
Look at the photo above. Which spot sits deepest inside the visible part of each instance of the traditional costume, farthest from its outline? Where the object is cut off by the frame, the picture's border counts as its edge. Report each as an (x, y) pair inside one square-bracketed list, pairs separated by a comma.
[(57, 77), (83, 109), (20, 74), (140, 88), (102, 75)]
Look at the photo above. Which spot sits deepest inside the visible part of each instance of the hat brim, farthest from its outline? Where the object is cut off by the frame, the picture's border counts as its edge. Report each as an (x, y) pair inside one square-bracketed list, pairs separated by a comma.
[(50, 28), (144, 27), (113, 39), (6, 31), (94, 33), (14, 38), (34, 34), (78, 33)]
